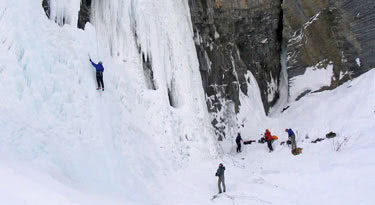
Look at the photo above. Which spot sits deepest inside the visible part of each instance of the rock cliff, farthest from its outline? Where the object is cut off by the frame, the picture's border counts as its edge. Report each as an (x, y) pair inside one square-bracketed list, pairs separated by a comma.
[(340, 33), (325, 43), (232, 38)]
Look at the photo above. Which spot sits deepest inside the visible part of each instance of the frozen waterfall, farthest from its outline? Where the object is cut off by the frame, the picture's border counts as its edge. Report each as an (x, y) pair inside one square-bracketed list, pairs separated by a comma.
[(114, 142), (64, 11)]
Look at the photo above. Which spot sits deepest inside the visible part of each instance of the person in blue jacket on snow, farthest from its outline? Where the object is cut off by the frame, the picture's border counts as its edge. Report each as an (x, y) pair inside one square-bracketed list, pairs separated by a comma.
[(292, 138), (99, 74)]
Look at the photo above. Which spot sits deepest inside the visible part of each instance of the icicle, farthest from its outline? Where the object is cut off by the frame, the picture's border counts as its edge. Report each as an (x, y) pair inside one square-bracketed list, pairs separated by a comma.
[(64, 11), (109, 18)]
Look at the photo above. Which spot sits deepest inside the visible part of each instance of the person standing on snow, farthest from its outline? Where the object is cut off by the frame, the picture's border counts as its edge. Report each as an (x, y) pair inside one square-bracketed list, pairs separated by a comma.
[(292, 138), (238, 141), (99, 74), (220, 174), (269, 139)]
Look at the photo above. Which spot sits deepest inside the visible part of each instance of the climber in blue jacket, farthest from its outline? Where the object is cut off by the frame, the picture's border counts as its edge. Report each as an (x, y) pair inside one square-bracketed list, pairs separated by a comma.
[(292, 138), (99, 74)]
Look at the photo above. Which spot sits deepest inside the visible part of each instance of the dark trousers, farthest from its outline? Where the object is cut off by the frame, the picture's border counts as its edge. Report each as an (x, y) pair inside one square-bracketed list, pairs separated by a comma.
[(221, 181), (238, 146), (293, 141), (99, 79), (269, 144)]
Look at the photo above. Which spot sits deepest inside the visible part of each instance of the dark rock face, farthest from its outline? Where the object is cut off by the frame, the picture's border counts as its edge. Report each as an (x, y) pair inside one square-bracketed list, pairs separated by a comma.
[(84, 13), (337, 32), (232, 38), (45, 5), (236, 36)]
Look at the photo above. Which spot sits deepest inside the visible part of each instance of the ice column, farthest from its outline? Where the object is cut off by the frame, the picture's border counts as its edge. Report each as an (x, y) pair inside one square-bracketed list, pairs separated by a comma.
[(64, 11), (111, 20)]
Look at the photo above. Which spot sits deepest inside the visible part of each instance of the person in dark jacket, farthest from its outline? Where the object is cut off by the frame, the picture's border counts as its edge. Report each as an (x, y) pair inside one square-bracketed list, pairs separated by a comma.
[(220, 174), (292, 138), (99, 74), (269, 139), (238, 141)]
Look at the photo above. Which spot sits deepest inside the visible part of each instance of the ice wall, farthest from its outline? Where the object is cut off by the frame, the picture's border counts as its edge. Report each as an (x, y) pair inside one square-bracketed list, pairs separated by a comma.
[(64, 11), (127, 138), (111, 20), (143, 32)]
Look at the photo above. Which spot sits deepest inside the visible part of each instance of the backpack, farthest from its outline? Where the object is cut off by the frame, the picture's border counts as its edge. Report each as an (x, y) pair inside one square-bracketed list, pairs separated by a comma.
[(297, 151)]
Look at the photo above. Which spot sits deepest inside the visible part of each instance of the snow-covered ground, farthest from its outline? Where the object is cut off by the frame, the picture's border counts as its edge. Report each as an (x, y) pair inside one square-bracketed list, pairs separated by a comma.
[(333, 171), (63, 142)]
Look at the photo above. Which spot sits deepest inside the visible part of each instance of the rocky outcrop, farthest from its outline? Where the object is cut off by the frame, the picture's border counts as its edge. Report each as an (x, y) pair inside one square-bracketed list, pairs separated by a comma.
[(84, 13), (234, 37), (340, 33), (326, 43), (45, 5)]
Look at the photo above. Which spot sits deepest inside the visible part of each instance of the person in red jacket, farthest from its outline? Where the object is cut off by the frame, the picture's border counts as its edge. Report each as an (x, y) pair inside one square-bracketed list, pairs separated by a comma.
[(269, 139)]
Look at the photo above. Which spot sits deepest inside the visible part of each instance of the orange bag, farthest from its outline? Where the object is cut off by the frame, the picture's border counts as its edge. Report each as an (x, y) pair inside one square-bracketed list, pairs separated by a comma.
[(275, 137), (297, 151)]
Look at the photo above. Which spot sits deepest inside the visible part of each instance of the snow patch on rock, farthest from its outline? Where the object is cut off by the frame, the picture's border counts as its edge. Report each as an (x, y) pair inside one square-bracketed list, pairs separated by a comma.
[(312, 80)]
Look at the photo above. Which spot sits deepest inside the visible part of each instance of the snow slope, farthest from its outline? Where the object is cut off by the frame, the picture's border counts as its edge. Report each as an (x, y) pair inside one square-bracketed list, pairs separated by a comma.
[(334, 171), (63, 142)]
